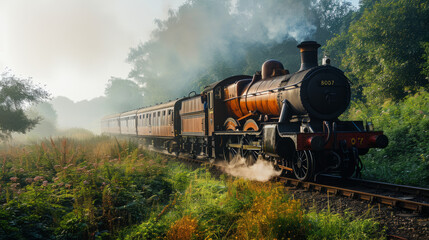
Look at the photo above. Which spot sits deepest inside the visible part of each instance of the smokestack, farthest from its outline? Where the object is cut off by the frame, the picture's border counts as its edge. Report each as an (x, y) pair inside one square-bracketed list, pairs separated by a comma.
[(308, 51)]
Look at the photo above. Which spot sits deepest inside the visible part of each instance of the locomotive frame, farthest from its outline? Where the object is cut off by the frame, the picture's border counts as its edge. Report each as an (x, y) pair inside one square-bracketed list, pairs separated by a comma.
[(289, 119)]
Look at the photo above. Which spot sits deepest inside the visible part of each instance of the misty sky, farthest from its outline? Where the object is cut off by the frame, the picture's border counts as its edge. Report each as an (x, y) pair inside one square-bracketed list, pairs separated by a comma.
[(73, 47)]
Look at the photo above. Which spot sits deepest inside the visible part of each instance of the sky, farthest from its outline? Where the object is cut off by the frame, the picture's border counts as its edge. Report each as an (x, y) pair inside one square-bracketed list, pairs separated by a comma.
[(73, 47)]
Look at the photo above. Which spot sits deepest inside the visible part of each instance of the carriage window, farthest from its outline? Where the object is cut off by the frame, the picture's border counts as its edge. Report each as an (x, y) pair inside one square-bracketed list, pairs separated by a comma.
[(163, 113), (159, 113)]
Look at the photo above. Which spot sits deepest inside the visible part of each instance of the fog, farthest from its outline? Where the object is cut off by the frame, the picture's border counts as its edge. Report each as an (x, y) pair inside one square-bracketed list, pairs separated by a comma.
[(183, 49), (73, 47), (204, 34)]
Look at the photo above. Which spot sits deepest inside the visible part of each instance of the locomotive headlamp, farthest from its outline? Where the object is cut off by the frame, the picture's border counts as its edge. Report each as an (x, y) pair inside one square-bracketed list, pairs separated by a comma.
[(369, 127)]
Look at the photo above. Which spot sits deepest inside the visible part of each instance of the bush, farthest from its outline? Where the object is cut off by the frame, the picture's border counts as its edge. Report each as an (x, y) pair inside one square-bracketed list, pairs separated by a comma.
[(78, 189), (270, 213), (406, 123), (60, 189), (327, 225)]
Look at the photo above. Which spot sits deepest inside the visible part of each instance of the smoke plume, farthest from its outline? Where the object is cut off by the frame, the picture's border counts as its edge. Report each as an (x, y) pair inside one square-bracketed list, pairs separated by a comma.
[(206, 41)]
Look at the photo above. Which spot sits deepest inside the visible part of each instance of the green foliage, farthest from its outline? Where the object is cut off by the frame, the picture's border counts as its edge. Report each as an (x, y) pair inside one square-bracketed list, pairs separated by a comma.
[(33, 210), (15, 94), (48, 121), (240, 209), (77, 190), (268, 213), (206, 41), (334, 15), (425, 65), (148, 230), (106, 189), (334, 226), (123, 95), (406, 124), (381, 52)]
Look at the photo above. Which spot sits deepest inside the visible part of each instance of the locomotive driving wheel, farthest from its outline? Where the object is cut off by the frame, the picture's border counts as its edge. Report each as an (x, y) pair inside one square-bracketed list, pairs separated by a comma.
[(251, 156), (303, 165), (230, 153)]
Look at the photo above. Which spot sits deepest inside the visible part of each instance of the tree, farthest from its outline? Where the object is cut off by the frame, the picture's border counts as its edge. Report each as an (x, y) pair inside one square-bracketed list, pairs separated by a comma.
[(206, 41), (15, 95), (382, 51), (48, 119), (123, 95), (425, 65)]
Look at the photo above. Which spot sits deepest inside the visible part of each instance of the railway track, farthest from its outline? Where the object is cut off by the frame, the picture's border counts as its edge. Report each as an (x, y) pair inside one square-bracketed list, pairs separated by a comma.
[(394, 195), (406, 197)]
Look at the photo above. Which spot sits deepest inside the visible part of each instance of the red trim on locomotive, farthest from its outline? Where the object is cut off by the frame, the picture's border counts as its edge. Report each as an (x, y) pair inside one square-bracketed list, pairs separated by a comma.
[(360, 140)]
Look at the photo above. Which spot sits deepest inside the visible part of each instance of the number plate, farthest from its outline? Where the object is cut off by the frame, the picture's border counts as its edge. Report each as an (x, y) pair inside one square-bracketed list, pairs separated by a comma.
[(324, 83)]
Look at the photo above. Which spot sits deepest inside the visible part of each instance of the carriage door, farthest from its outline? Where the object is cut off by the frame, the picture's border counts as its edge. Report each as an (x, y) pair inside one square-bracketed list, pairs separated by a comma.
[(210, 105), (150, 123)]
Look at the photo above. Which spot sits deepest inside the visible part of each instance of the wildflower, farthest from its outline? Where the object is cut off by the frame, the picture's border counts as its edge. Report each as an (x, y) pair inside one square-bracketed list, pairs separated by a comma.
[(85, 182), (82, 168), (45, 183), (38, 178), (60, 184), (14, 179), (55, 179), (29, 180), (68, 185), (21, 170)]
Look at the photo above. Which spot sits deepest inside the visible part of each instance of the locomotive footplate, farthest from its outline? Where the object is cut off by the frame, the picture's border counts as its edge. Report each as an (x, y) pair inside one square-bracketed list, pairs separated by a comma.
[(317, 141)]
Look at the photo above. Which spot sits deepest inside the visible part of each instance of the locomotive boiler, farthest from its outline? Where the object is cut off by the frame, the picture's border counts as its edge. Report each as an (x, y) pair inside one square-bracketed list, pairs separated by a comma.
[(288, 118), (321, 92)]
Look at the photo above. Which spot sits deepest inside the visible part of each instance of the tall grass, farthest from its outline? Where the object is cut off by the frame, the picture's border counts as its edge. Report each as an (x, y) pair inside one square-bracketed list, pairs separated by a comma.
[(240, 209), (110, 189), (78, 189)]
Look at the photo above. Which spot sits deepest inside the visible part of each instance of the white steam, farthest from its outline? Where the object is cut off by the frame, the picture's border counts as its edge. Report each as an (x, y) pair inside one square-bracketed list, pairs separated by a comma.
[(262, 170), (216, 34), (274, 20)]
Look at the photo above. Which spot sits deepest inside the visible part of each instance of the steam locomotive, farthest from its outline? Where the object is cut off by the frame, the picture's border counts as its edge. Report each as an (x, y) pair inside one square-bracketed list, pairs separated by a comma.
[(289, 119)]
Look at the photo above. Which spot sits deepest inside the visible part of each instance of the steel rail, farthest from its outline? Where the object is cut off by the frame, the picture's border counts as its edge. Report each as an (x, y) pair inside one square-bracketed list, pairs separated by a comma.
[(397, 188), (356, 194)]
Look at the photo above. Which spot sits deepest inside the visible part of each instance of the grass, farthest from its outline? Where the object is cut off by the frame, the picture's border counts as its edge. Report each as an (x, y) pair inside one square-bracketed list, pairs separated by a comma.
[(102, 188)]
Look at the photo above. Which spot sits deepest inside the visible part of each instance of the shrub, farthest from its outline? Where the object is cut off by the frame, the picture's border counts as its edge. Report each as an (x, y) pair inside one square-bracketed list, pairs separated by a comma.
[(183, 229), (406, 123), (269, 213)]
